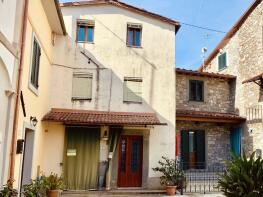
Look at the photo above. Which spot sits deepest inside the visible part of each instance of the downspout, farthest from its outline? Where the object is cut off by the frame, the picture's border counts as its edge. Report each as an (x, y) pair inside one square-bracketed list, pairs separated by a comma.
[(18, 91)]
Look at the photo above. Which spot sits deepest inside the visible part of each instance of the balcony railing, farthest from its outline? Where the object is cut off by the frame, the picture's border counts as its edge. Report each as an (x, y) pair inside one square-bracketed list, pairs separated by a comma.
[(254, 114)]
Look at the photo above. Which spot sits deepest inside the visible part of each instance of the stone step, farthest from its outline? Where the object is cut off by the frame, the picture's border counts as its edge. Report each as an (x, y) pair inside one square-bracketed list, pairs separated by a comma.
[(118, 192)]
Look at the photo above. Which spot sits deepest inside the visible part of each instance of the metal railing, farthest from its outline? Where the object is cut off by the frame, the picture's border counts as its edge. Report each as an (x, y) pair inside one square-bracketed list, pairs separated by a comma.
[(201, 178)]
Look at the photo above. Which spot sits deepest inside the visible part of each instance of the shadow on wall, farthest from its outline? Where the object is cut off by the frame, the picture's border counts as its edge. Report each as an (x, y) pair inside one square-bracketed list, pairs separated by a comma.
[(108, 86)]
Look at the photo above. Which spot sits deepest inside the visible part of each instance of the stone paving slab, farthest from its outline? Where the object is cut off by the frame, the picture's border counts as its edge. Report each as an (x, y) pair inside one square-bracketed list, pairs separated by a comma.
[(140, 195)]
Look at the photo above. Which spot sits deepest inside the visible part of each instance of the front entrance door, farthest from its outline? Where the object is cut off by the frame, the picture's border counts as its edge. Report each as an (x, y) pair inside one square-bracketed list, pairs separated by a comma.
[(235, 141), (130, 161), (27, 157), (193, 149)]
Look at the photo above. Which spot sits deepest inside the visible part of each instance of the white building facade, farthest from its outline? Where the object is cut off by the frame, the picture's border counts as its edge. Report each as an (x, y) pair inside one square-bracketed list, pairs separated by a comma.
[(113, 86)]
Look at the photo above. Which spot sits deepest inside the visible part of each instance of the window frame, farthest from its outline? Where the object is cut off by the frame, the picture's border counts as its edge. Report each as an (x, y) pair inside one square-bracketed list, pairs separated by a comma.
[(196, 90), (134, 27), (34, 87), (132, 79), (82, 75), (86, 24), (218, 61)]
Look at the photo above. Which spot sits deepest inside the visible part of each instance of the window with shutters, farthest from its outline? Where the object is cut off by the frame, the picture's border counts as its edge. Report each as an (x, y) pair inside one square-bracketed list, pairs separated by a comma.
[(134, 35), (82, 86), (222, 61), (85, 31), (196, 90), (35, 62), (132, 90)]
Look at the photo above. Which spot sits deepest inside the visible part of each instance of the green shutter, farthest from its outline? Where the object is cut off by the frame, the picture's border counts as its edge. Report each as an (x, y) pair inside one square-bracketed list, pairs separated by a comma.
[(200, 149), (35, 64), (185, 149), (222, 61)]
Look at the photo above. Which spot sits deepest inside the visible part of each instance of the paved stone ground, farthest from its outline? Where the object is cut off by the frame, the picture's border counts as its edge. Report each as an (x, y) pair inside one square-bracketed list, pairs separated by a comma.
[(140, 195)]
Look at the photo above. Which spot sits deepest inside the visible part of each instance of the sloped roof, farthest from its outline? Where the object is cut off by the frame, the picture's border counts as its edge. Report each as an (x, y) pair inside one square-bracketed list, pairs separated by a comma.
[(204, 74), (124, 6), (88, 117), (207, 116), (230, 34)]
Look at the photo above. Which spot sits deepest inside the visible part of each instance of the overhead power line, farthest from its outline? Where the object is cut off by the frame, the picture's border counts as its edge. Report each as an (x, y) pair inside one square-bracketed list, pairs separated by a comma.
[(205, 28)]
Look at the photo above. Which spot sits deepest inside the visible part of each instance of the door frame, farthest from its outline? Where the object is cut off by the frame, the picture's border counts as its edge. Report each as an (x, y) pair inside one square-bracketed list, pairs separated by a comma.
[(205, 145), (119, 159), (26, 126)]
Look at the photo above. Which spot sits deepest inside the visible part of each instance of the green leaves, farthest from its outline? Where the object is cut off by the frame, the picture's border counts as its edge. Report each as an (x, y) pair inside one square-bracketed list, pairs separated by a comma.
[(172, 174), (8, 190), (243, 177), (41, 185)]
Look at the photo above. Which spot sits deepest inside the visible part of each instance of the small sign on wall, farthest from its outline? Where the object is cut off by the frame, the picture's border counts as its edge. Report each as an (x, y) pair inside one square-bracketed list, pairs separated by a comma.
[(71, 152)]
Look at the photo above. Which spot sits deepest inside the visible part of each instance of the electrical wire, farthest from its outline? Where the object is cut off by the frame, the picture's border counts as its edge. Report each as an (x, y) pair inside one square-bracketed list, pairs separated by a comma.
[(205, 28)]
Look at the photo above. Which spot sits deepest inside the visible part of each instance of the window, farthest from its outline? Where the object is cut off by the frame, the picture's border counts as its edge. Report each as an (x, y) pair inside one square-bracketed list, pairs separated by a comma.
[(222, 61), (35, 64), (132, 90), (82, 87), (196, 90), (85, 31), (134, 35)]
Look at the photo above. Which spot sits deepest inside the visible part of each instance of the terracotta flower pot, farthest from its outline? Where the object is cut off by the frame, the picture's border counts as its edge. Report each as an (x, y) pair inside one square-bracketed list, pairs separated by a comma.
[(53, 193), (170, 190)]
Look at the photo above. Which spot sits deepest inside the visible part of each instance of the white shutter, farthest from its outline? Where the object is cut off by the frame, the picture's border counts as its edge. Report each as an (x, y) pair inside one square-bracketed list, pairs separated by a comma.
[(82, 86), (132, 90)]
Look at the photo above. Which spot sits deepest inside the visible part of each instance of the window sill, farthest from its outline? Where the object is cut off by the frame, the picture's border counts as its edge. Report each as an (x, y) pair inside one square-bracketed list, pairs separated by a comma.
[(219, 70), (136, 47), (81, 99), (193, 101), (84, 42), (33, 89), (132, 102)]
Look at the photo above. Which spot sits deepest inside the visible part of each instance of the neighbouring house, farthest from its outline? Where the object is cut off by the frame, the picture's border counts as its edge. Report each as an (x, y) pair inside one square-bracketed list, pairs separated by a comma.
[(207, 126), (10, 33), (105, 99), (240, 54), (43, 25)]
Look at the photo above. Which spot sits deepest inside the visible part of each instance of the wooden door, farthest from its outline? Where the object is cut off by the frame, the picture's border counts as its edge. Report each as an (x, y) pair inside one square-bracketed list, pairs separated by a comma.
[(130, 161)]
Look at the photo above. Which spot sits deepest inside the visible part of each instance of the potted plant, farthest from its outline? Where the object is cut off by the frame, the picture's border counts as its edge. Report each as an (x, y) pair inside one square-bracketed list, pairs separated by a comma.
[(37, 188), (171, 174), (8, 190), (54, 185)]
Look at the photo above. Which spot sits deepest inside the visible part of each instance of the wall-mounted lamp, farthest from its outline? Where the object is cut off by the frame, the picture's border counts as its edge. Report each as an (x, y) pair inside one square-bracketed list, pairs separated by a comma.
[(33, 121)]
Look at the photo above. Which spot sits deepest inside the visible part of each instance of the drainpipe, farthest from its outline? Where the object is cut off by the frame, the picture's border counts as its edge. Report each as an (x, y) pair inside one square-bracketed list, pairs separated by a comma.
[(18, 91)]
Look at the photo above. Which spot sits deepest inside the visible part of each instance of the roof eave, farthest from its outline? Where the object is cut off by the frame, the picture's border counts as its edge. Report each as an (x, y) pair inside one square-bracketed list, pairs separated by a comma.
[(124, 6), (60, 16)]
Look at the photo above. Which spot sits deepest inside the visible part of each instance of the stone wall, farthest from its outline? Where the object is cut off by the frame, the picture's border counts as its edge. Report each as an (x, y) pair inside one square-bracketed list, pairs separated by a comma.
[(217, 94), (217, 140), (245, 60)]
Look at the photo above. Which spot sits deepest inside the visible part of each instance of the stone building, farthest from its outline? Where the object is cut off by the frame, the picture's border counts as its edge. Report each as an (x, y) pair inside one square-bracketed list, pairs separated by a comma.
[(207, 126), (240, 54)]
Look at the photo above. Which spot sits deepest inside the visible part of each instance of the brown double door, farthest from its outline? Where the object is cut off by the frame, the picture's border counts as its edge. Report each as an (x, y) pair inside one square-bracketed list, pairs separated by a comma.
[(130, 161)]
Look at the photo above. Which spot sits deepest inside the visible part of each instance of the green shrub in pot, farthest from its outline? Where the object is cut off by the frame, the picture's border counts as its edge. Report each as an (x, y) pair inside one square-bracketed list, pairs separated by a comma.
[(54, 185), (171, 174)]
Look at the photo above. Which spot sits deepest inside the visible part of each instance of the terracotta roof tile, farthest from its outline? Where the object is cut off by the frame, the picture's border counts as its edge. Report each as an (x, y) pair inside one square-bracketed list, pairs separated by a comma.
[(209, 116), (87, 117), (204, 74)]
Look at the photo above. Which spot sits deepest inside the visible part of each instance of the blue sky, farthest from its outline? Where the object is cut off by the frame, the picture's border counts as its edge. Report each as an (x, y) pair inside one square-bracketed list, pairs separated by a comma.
[(215, 14)]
